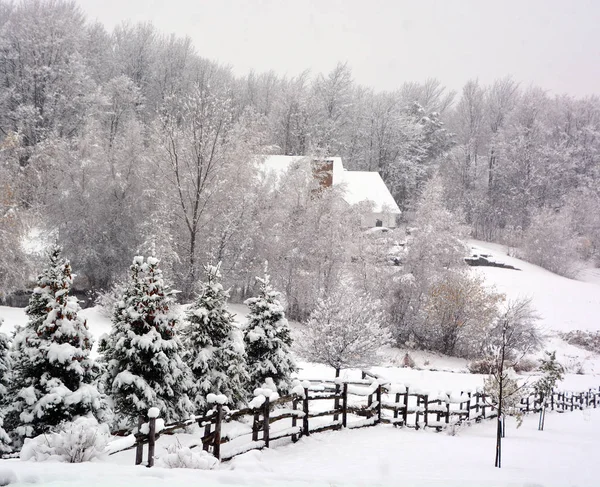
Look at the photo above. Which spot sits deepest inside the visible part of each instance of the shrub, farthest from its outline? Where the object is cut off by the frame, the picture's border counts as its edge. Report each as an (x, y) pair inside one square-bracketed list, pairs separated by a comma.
[(525, 365), (588, 340), (483, 366), (408, 361), (79, 441), (179, 456)]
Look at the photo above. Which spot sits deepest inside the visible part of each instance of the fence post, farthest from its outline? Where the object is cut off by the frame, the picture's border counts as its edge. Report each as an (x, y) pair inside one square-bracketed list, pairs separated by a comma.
[(483, 405), (379, 403), (255, 426), (469, 406), (587, 399), (139, 449), (405, 412), (448, 410), (396, 408), (217, 441), (572, 402), (345, 405), (267, 410), (305, 428), (151, 441), (336, 401), (552, 400), (426, 404), (206, 444), (294, 419)]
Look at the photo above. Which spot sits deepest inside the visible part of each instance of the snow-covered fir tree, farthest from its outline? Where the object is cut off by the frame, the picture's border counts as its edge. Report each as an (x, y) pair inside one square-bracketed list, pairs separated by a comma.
[(142, 353), (5, 371), (345, 330), (53, 372), (268, 340), (214, 346)]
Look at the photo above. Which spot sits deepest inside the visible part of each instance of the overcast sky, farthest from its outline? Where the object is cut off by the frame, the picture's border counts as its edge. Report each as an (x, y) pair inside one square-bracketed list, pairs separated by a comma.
[(552, 43)]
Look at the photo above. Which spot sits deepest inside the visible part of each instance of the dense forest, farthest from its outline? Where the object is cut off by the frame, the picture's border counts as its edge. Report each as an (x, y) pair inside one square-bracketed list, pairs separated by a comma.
[(126, 142)]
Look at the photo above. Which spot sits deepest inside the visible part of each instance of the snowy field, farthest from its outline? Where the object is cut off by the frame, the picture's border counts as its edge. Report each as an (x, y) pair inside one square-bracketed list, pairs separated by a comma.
[(562, 455)]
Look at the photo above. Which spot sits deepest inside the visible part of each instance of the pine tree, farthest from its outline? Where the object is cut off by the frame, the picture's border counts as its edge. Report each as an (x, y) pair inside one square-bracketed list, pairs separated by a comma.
[(53, 371), (142, 352), (214, 347), (268, 340), (5, 371)]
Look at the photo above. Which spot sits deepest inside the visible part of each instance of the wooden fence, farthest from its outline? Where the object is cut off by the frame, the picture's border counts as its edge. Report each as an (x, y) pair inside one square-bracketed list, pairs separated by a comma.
[(324, 406)]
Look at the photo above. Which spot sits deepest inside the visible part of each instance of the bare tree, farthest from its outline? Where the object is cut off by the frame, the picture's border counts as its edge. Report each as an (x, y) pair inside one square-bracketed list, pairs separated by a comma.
[(514, 335)]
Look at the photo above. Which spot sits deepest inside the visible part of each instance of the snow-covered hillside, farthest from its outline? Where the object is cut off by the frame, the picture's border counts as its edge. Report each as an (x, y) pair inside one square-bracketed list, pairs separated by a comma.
[(563, 304)]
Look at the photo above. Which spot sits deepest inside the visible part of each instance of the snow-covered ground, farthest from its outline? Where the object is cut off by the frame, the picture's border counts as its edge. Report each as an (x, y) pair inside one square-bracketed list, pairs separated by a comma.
[(563, 304), (564, 454)]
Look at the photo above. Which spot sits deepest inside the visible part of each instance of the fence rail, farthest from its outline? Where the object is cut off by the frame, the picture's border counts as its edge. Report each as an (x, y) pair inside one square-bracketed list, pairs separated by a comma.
[(356, 404)]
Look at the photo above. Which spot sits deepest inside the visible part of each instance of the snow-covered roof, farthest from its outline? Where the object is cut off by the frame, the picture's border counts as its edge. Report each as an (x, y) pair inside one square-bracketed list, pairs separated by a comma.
[(368, 185), (359, 185)]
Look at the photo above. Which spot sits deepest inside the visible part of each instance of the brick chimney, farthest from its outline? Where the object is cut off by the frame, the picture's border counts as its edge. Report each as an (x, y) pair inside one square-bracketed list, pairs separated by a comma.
[(323, 172)]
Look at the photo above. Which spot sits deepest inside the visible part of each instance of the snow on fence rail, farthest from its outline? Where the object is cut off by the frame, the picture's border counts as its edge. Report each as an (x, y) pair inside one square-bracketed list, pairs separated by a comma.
[(318, 406)]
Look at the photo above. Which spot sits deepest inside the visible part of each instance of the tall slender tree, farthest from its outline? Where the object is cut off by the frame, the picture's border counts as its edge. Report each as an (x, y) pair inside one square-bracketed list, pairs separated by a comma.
[(552, 373)]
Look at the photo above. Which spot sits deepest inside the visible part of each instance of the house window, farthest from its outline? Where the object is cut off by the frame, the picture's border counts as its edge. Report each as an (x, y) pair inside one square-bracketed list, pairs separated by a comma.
[(378, 223)]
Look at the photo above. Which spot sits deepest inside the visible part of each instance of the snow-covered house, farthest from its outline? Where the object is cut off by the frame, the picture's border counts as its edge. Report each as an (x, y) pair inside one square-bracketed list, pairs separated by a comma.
[(359, 186)]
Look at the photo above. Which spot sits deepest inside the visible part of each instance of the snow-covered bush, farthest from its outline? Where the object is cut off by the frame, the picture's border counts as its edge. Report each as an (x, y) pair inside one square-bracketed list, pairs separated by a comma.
[(408, 361), (213, 345), (588, 340), (79, 441), (482, 366), (525, 365), (268, 340), (142, 352), (179, 456)]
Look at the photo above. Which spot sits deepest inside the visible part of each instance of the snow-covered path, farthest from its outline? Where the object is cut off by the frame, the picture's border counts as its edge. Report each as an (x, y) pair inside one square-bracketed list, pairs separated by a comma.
[(564, 454)]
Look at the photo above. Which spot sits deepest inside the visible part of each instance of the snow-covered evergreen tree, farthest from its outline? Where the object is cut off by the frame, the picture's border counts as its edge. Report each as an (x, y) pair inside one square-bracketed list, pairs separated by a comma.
[(345, 330), (5, 371), (53, 371), (268, 340), (142, 353), (214, 347)]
